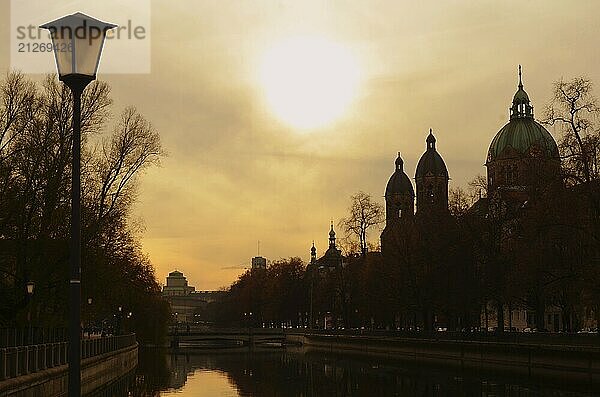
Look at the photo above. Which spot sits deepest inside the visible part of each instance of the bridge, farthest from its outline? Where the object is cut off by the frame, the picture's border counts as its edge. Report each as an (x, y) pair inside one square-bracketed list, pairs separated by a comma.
[(209, 337)]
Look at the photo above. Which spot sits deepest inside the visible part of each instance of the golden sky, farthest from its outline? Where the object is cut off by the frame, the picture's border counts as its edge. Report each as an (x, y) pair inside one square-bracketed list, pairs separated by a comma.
[(237, 174)]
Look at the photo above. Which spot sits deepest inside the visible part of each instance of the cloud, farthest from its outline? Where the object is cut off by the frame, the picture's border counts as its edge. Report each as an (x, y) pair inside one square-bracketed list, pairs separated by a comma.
[(236, 175)]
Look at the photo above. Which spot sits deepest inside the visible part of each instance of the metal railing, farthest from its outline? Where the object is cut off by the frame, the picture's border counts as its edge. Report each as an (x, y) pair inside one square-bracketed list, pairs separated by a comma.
[(23, 360), (15, 337)]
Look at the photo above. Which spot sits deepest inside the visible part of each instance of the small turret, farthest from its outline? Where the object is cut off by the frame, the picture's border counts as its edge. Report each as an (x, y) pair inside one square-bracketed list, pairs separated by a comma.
[(331, 237), (399, 194), (431, 179)]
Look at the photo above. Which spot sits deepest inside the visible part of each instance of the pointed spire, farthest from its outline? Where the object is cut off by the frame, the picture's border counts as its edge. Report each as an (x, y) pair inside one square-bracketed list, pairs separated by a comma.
[(399, 163), (430, 140), (520, 78), (332, 236), (521, 107), (313, 253)]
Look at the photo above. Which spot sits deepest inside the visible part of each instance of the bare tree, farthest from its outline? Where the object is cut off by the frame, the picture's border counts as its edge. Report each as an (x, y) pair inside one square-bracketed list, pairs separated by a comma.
[(458, 201), (575, 109), (478, 186), (364, 215), (35, 160), (134, 146), (18, 101)]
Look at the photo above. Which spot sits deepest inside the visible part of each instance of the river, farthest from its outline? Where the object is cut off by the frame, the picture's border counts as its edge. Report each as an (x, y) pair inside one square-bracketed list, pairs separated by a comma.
[(294, 372)]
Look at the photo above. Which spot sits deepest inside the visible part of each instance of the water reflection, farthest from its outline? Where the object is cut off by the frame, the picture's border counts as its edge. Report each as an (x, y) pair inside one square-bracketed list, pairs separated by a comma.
[(302, 374)]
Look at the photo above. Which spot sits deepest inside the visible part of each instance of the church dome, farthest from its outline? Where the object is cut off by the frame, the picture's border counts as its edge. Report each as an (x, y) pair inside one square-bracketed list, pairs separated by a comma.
[(399, 182), (431, 163), (522, 133)]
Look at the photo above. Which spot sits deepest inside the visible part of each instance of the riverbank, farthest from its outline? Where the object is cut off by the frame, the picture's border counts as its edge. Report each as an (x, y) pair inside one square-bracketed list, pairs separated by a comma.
[(578, 364), (97, 371)]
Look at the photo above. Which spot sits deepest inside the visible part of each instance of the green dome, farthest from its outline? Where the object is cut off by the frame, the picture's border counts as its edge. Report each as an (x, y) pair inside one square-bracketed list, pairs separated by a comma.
[(522, 131), (521, 134)]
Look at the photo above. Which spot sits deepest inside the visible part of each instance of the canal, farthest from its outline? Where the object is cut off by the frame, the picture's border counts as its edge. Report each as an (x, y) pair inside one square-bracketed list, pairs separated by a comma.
[(295, 372)]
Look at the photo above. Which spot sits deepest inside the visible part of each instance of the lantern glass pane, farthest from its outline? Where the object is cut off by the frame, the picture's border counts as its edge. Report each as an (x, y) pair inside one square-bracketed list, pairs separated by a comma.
[(63, 49), (88, 48)]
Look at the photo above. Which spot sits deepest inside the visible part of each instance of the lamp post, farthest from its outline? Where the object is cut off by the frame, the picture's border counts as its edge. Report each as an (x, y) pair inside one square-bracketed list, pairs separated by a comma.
[(77, 41), (120, 320), (29, 288), (90, 316)]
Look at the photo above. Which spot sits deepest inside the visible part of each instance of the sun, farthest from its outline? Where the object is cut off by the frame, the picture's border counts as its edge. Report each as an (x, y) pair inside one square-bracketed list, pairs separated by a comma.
[(309, 81)]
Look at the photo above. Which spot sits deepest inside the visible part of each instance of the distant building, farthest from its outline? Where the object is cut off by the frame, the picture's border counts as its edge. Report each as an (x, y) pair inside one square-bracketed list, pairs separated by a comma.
[(332, 259), (258, 262), (177, 285), (187, 304)]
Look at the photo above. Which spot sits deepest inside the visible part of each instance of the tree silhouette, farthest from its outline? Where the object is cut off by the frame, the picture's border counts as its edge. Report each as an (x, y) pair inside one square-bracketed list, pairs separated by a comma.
[(35, 161), (364, 215)]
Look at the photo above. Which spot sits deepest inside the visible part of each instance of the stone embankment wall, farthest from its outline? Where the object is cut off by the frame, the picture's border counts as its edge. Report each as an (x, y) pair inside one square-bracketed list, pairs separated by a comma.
[(97, 371), (576, 363)]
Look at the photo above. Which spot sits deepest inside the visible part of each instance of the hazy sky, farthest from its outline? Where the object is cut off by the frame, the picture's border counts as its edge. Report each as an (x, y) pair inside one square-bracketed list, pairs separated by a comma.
[(237, 174)]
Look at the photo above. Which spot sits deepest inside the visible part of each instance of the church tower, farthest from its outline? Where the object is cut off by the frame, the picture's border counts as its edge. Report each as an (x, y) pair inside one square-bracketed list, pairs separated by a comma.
[(523, 153), (399, 195), (332, 258), (431, 179)]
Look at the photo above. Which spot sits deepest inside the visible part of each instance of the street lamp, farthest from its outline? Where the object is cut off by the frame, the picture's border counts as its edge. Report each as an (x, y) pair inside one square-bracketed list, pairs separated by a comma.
[(29, 288), (90, 317), (77, 41), (120, 320)]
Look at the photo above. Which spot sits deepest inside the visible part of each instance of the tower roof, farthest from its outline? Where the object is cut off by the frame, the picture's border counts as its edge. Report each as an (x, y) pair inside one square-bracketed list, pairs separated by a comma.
[(430, 139), (431, 163), (332, 257), (522, 133), (399, 162), (399, 182)]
